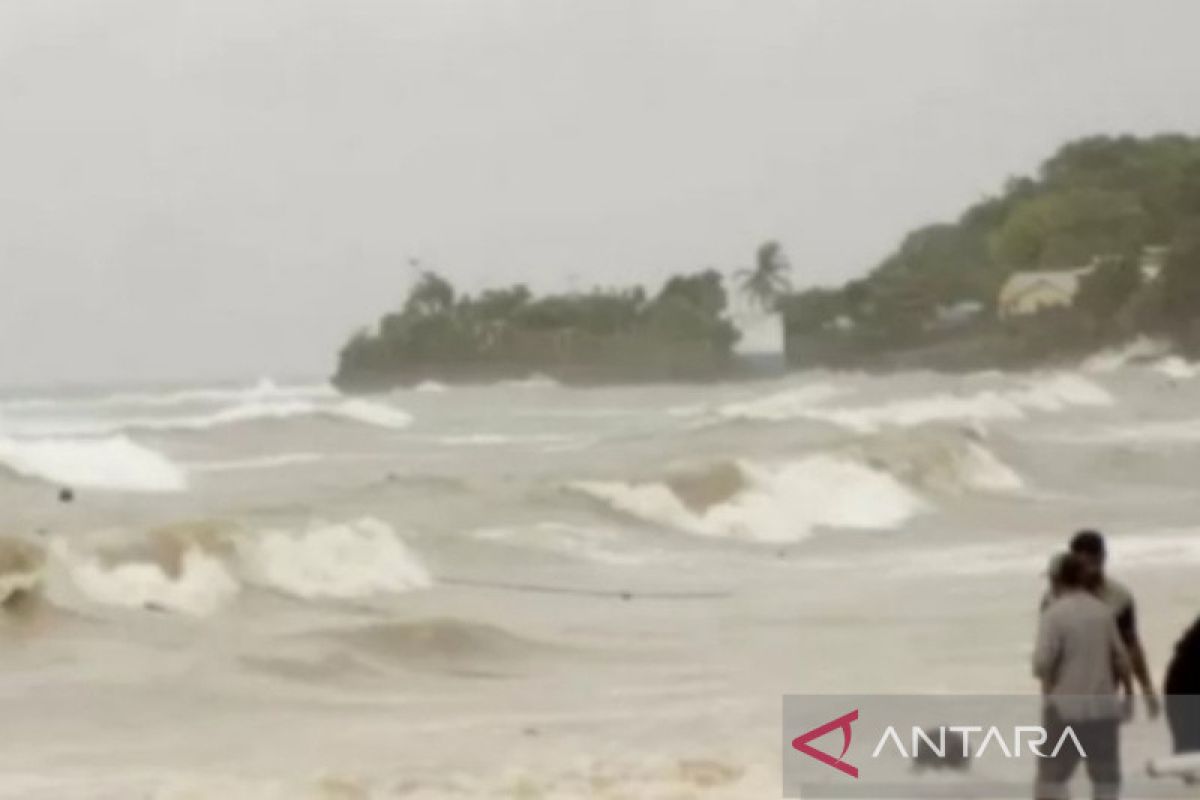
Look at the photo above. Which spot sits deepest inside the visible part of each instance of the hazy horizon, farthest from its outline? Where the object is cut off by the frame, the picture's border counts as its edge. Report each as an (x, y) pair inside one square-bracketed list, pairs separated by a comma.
[(226, 190)]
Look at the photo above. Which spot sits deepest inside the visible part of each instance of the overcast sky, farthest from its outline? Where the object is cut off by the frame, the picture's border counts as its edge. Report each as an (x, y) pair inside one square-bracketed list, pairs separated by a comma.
[(228, 188)]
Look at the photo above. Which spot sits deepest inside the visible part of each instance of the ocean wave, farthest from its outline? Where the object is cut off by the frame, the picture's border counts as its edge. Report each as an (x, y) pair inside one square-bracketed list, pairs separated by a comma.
[(535, 381), (766, 502), (782, 405), (365, 412), (1113, 359), (199, 585), (343, 561), (1177, 368), (876, 483), (265, 388), (110, 463), (1053, 393), (1047, 393), (198, 569), (941, 462)]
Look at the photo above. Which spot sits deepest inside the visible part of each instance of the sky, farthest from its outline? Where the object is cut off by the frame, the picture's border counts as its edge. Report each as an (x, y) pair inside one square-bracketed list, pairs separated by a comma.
[(227, 189)]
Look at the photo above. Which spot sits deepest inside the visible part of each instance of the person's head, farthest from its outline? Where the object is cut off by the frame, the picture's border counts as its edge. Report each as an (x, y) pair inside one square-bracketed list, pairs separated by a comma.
[(1072, 573), (1089, 546), (1052, 573)]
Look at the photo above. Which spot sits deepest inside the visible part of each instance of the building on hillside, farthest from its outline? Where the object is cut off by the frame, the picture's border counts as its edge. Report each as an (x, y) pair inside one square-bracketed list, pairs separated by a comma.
[(1027, 293)]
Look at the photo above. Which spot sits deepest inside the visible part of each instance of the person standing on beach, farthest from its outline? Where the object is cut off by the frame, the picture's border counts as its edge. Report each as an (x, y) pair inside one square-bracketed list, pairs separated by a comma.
[(1079, 658), (1089, 546)]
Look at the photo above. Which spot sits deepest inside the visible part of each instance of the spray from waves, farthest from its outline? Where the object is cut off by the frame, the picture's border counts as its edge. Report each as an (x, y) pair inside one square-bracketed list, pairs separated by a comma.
[(198, 569), (264, 389), (340, 561), (111, 463), (1051, 393), (768, 503)]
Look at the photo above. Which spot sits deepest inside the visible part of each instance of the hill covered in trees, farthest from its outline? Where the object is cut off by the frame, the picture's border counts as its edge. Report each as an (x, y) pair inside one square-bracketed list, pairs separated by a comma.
[(1100, 201), (680, 333)]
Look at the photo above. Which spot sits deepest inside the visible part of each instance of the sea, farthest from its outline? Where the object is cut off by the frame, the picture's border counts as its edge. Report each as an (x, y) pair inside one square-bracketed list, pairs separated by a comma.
[(271, 590)]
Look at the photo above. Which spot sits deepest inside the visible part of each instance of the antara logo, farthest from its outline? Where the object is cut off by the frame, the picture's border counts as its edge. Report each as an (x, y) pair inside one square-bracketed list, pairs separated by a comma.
[(843, 722)]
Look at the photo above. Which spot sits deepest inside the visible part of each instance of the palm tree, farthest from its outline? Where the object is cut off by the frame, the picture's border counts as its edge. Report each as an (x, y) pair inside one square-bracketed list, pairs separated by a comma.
[(769, 279)]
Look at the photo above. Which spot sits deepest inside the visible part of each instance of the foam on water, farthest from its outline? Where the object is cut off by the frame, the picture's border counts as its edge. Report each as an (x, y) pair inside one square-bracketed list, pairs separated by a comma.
[(203, 583), (1176, 368), (1113, 359), (1048, 394), (365, 412), (343, 561), (113, 463), (783, 405), (264, 388), (772, 503)]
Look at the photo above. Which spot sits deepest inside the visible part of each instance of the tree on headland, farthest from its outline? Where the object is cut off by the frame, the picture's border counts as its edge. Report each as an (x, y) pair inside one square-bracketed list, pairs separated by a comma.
[(432, 294), (604, 334), (769, 279)]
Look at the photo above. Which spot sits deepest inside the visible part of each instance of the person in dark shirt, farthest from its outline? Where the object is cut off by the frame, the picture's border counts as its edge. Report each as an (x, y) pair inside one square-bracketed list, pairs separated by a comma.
[(1182, 690), (1090, 547)]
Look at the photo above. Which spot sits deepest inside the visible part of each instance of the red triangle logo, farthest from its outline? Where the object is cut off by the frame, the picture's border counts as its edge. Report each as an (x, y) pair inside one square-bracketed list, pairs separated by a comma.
[(842, 723)]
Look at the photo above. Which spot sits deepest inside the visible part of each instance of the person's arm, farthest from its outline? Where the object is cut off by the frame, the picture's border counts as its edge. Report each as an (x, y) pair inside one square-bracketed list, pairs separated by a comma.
[(1127, 626), (1046, 649)]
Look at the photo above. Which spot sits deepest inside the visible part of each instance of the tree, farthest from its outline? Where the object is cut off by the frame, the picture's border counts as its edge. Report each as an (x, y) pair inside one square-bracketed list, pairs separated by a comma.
[(432, 294), (768, 280), (1107, 290)]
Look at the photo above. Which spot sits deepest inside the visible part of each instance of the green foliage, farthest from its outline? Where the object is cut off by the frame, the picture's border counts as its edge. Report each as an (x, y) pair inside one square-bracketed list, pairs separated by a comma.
[(1107, 290), (600, 335), (768, 280), (1099, 198)]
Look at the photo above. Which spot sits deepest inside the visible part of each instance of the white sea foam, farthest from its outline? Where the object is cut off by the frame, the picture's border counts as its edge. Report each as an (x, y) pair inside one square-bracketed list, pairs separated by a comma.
[(776, 503), (366, 412), (782, 405), (1051, 393), (255, 463), (265, 388), (1176, 368), (202, 586), (432, 387), (114, 463), (981, 469), (346, 560), (1140, 349)]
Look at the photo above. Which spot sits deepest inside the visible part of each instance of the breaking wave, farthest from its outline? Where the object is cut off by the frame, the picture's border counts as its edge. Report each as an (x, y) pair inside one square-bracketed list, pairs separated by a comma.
[(877, 484), (200, 568), (783, 405), (365, 412), (112, 463), (1139, 350), (341, 561), (264, 389), (768, 503), (1051, 393)]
